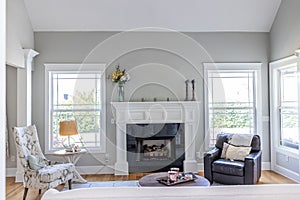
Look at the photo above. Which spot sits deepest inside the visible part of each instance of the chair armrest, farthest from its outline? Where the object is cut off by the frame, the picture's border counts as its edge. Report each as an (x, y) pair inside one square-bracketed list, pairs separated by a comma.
[(253, 156), (54, 162), (209, 158), (253, 167), (214, 154), (30, 173), (50, 162)]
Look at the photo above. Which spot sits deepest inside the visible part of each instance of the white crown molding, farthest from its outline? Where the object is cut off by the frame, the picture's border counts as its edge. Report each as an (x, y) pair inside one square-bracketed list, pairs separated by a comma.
[(297, 53)]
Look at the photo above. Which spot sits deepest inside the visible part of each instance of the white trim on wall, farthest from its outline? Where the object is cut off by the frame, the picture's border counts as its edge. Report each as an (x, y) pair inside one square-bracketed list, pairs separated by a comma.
[(11, 172), (99, 169), (83, 67), (253, 67), (109, 169), (275, 147)]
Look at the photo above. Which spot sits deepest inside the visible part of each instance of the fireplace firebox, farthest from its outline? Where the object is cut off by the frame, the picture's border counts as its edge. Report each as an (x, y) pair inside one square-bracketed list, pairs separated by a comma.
[(155, 147)]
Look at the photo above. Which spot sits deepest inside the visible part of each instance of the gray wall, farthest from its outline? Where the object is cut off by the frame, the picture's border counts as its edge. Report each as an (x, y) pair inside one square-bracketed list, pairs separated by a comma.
[(285, 32), (19, 33), (11, 106), (183, 63)]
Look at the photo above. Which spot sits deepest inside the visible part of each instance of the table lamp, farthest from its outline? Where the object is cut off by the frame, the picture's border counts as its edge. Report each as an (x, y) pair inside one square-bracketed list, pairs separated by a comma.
[(68, 128)]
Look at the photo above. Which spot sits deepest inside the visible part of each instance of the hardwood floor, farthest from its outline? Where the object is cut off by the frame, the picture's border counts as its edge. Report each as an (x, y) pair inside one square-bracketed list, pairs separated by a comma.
[(14, 191), (270, 177)]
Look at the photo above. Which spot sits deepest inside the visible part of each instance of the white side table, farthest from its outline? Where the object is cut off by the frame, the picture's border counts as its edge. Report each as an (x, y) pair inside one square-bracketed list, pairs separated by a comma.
[(72, 157)]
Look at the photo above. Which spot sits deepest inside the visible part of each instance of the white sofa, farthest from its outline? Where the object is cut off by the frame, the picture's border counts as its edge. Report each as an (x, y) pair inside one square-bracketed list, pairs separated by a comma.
[(244, 192)]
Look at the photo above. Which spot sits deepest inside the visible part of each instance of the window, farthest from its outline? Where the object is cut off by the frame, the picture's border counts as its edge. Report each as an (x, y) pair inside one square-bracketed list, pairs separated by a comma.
[(232, 104), (285, 103), (288, 108), (76, 92)]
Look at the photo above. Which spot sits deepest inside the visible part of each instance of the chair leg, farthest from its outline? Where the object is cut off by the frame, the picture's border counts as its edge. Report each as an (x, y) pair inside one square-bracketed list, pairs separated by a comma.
[(40, 191), (25, 193), (70, 184)]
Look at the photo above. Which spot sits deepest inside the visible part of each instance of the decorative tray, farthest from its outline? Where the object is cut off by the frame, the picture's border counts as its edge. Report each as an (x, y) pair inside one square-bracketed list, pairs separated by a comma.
[(181, 179)]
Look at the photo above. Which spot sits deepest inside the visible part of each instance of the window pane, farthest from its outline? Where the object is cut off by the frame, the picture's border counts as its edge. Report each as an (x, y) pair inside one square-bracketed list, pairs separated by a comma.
[(77, 96), (289, 108), (231, 103)]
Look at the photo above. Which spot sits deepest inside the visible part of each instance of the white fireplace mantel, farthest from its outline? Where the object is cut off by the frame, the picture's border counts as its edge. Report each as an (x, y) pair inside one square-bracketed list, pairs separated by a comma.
[(186, 112)]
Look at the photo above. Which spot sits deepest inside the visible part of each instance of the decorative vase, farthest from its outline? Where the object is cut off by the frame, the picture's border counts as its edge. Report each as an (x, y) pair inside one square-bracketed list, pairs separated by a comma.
[(193, 87), (121, 91), (186, 90)]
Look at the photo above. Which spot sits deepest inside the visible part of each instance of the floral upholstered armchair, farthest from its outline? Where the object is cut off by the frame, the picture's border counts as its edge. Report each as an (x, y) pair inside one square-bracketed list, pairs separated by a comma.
[(39, 173)]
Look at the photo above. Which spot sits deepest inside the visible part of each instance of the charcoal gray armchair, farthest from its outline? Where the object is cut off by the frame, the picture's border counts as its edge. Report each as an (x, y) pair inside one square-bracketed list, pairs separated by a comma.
[(39, 173), (233, 172)]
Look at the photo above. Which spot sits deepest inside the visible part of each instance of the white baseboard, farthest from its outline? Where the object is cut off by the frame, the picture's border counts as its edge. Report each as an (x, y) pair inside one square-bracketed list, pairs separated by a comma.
[(11, 172), (287, 173), (109, 169), (200, 167), (265, 166)]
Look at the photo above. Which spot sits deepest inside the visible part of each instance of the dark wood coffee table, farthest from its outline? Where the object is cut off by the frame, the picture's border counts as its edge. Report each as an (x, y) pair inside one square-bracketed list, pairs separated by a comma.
[(150, 181)]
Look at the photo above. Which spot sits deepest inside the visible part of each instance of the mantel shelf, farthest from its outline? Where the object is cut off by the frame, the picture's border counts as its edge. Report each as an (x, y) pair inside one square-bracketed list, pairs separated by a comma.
[(144, 102), (155, 103)]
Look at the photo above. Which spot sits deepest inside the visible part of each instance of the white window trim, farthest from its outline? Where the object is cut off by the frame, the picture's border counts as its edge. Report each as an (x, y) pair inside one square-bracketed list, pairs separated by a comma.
[(75, 68), (274, 103), (251, 67)]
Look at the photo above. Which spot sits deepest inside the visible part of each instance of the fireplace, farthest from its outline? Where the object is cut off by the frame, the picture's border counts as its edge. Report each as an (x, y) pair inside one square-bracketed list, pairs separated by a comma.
[(151, 149), (155, 147), (143, 126)]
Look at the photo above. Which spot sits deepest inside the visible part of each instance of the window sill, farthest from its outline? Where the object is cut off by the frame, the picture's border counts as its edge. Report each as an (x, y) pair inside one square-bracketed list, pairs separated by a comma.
[(288, 151)]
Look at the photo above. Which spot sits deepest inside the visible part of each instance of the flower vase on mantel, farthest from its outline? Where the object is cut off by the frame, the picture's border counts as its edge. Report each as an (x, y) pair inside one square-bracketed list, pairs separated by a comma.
[(120, 77), (121, 91)]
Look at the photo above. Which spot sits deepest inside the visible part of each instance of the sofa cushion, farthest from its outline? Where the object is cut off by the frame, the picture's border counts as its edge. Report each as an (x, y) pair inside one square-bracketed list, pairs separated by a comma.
[(223, 166), (53, 172), (241, 139), (228, 179)]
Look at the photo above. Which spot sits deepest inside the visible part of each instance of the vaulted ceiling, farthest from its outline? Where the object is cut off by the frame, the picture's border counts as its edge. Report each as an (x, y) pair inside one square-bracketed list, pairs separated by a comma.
[(179, 15)]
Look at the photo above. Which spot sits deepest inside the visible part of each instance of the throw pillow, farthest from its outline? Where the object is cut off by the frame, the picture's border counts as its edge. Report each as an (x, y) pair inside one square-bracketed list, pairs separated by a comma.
[(35, 162), (241, 140), (237, 153), (225, 147)]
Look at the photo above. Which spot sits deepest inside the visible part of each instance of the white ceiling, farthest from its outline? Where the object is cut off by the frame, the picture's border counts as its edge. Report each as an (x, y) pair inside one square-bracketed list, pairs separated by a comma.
[(180, 15)]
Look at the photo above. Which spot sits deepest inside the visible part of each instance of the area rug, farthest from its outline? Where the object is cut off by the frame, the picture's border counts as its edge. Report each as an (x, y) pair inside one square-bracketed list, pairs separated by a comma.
[(112, 184), (103, 184)]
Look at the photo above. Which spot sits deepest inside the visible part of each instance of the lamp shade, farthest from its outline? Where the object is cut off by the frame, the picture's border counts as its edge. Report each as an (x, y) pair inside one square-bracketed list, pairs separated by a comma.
[(67, 128)]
